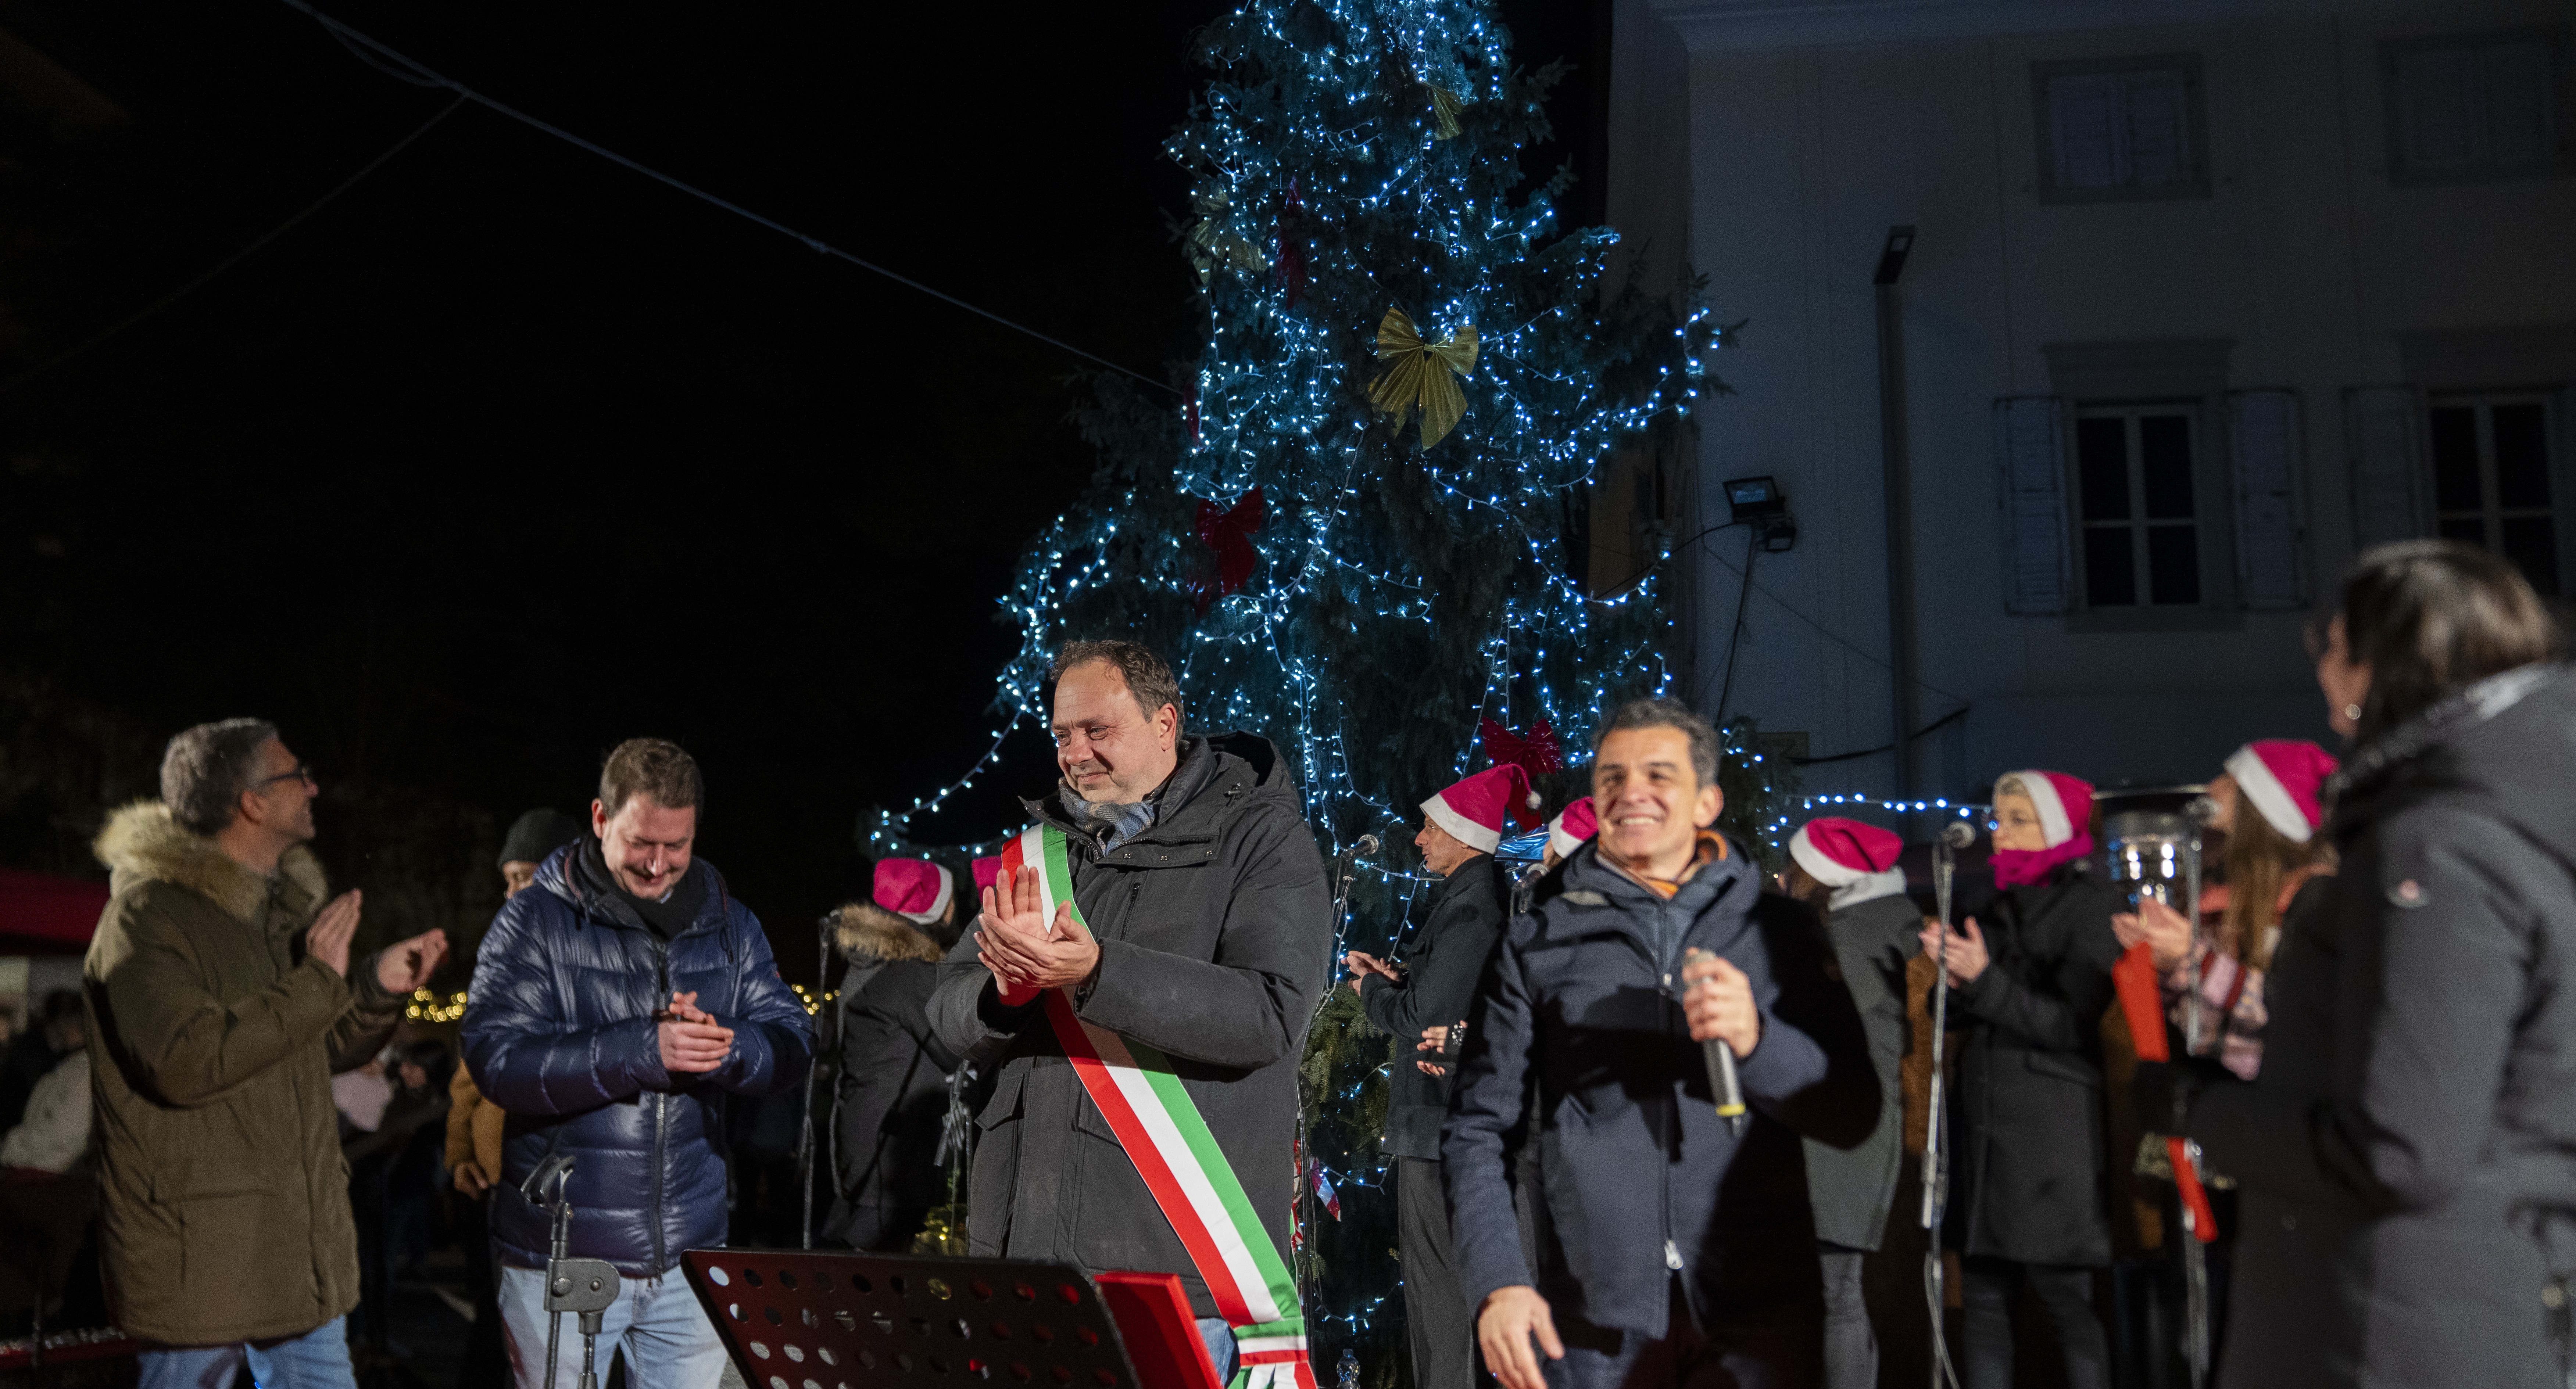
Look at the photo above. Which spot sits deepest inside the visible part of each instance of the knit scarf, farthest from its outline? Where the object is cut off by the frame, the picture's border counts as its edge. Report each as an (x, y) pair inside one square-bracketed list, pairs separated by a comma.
[(2021, 867)]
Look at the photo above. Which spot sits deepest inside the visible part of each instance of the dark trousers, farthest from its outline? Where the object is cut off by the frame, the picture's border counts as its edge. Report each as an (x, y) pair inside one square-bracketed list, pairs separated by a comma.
[(1779, 1347), (2065, 1294), (1438, 1321), (1851, 1348)]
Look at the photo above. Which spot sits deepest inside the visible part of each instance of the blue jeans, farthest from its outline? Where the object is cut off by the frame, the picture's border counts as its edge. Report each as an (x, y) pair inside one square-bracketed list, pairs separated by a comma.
[(669, 1342), (1220, 1346), (318, 1359)]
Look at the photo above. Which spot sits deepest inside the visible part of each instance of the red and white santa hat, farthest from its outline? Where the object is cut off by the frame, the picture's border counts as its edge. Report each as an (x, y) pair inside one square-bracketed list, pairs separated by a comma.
[(1474, 810), (2280, 778), (2064, 803), (1839, 852), (1571, 827), (913, 888)]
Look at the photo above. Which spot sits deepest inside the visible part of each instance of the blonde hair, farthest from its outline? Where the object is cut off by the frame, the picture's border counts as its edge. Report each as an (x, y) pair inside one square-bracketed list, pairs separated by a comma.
[(2258, 858)]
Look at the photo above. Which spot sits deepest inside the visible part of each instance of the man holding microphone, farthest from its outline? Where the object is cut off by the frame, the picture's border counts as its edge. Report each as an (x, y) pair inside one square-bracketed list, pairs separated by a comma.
[(1682, 1245)]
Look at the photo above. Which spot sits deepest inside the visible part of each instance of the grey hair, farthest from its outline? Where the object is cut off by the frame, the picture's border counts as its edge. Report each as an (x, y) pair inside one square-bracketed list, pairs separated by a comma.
[(206, 769), (1148, 677), (1667, 713)]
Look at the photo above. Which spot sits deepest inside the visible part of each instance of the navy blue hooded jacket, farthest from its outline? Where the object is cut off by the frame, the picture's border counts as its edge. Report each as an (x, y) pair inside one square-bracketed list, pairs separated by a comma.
[(1642, 1179), (559, 1032)]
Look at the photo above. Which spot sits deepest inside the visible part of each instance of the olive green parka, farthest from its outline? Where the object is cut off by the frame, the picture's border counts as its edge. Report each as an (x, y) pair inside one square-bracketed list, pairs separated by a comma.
[(223, 1201)]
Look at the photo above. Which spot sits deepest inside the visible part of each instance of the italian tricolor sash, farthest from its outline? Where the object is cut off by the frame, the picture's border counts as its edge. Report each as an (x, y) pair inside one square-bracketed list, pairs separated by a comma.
[(1161, 1129)]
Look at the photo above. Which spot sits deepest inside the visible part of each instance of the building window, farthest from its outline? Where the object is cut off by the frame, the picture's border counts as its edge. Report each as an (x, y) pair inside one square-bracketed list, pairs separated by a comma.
[(2491, 479), (2487, 106), (2140, 525), (2120, 129)]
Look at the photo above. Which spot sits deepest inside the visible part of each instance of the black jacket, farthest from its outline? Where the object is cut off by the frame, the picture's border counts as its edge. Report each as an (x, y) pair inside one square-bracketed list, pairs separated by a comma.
[(560, 1033), (1216, 935), (1640, 1176), (893, 1096), (2027, 1121), (2417, 1102), (1467, 915), (1852, 1188)]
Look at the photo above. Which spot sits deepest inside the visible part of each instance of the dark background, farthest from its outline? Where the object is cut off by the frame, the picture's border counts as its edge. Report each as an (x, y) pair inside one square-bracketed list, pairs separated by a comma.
[(509, 453)]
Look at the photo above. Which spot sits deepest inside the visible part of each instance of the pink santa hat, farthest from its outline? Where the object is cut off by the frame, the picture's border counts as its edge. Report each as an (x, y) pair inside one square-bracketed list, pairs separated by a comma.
[(1571, 827), (2280, 778), (988, 871), (913, 888), (1474, 810), (2064, 803), (1857, 861)]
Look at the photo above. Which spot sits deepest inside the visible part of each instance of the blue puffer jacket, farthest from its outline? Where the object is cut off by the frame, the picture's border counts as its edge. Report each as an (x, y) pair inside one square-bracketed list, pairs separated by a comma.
[(559, 1032)]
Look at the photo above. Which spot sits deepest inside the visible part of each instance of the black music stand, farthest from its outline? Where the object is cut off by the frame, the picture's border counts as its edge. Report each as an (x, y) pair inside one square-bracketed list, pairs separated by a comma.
[(798, 1320)]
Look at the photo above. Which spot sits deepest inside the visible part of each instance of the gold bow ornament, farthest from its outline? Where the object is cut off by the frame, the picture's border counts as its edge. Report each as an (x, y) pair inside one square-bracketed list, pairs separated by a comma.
[(1212, 243), (1423, 373), (1444, 112)]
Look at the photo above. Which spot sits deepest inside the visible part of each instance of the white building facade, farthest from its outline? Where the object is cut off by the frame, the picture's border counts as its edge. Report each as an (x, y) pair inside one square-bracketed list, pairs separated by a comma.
[(2197, 300)]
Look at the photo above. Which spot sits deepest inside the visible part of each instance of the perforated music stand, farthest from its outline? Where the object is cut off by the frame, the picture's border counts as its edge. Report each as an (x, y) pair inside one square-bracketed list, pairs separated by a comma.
[(802, 1320)]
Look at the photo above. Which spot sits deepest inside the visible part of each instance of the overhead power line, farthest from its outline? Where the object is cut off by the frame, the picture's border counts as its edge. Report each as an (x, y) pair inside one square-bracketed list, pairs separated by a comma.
[(236, 257), (396, 64)]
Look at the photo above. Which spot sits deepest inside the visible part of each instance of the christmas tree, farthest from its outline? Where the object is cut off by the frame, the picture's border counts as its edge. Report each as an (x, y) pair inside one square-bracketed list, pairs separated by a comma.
[(1351, 529)]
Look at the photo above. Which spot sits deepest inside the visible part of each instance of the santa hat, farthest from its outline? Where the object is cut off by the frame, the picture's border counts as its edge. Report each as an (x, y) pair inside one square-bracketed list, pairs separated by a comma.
[(2281, 778), (1839, 852), (913, 888), (2064, 803), (987, 871), (1857, 861), (1571, 827), (1473, 811)]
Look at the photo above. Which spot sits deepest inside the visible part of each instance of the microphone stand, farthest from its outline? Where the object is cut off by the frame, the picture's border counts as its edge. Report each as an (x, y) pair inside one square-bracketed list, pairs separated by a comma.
[(585, 1287), (1936, 1154), (2195, 1259), (813, 1068)]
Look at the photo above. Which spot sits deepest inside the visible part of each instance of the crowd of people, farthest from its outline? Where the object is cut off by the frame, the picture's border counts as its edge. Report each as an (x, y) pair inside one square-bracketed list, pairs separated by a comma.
[(1647, 1102)]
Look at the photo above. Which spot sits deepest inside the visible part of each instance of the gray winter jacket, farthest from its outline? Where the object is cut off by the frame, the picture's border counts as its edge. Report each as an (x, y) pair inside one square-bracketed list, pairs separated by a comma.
[(1852, 1188), (1215, 932), (2415, 1117)]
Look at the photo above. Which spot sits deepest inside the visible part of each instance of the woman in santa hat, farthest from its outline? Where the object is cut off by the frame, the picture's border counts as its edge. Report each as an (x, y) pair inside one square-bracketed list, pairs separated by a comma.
[(2267, 806), (2030, 986), (1847, 871)]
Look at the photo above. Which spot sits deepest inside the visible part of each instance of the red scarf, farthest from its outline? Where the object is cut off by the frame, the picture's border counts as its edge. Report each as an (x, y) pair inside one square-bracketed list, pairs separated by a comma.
[(2019, 867)]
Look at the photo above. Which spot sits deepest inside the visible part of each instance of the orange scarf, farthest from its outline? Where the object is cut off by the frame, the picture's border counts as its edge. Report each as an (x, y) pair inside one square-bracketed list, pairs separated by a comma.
[(1711, 849)]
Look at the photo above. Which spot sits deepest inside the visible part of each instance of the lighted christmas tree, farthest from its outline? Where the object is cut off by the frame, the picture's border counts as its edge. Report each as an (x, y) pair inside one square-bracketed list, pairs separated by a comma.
[(1351, 529)]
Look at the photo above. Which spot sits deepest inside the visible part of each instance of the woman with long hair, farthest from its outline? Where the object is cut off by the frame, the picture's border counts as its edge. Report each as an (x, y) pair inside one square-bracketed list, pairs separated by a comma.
[(2406, 1155), (2030, 986)]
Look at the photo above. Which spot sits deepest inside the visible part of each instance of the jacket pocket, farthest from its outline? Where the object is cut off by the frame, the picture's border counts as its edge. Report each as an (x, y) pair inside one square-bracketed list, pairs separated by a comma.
[(1004, 1105), (2060, 1066)]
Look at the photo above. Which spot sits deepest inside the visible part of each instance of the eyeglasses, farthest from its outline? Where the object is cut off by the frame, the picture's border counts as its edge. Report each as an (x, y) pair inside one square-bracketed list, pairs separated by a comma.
[(303, 772)]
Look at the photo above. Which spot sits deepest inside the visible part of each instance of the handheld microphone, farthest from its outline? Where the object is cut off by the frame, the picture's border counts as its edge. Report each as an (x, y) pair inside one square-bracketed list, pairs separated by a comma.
[(1722, 1081), (1958, 834)]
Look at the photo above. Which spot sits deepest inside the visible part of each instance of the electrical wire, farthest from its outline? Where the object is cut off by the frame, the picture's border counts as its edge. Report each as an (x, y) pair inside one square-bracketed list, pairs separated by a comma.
[(419, 74), (1743, 596), (236, 257)]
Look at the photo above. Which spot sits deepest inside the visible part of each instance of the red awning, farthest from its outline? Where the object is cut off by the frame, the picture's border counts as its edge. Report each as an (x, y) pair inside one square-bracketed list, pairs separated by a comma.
[(41, 914)]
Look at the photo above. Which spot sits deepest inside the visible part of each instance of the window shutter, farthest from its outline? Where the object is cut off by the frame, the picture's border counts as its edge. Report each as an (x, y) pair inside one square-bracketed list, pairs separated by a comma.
[(2030, 446), (2387, 468), (2084, 124), (2158, 126), (2271, 517)]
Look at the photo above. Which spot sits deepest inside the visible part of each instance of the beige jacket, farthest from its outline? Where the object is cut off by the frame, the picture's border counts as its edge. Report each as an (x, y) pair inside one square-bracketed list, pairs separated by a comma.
[(223, 1201)]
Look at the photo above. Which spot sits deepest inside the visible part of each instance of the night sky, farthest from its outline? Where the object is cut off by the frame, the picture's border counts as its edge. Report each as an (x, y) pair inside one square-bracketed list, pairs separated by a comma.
[(509, 453)]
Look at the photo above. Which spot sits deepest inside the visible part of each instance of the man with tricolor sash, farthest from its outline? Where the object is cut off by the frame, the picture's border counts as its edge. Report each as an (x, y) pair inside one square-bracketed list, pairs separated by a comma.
[(1139, 985)]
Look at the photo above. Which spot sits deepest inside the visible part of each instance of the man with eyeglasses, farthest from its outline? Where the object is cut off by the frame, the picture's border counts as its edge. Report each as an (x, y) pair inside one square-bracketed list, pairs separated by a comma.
[(221, 986)]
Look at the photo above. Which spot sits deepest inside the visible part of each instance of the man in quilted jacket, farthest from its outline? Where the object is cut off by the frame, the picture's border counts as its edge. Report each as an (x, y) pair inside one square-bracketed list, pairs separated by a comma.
[(617, 1006)]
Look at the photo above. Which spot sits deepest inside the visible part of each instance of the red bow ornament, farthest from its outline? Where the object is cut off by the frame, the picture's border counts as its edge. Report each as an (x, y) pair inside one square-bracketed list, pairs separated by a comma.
[(1536, 752), (1227, 533)]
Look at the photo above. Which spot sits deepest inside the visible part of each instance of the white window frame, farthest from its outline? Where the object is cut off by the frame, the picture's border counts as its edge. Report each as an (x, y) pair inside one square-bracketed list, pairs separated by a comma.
[(2557, 156), (2490, 514), (2194, 131), (2138, 524)]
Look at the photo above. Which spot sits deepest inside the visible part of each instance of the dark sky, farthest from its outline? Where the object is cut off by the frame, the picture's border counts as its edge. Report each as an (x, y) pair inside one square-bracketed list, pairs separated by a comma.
[(510, 453)]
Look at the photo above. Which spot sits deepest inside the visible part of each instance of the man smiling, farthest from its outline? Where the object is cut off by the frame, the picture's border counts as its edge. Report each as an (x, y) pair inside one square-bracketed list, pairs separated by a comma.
[(1167, 913), (1681, 1252)]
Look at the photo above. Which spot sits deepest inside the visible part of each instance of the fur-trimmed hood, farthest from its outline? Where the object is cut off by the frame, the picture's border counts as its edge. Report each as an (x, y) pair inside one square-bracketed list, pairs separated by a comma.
[(142, 843), (866, 931)]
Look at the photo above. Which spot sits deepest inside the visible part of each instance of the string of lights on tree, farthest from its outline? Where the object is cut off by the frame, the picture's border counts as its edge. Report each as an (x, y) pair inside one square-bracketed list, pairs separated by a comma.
[(1357, 535)]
